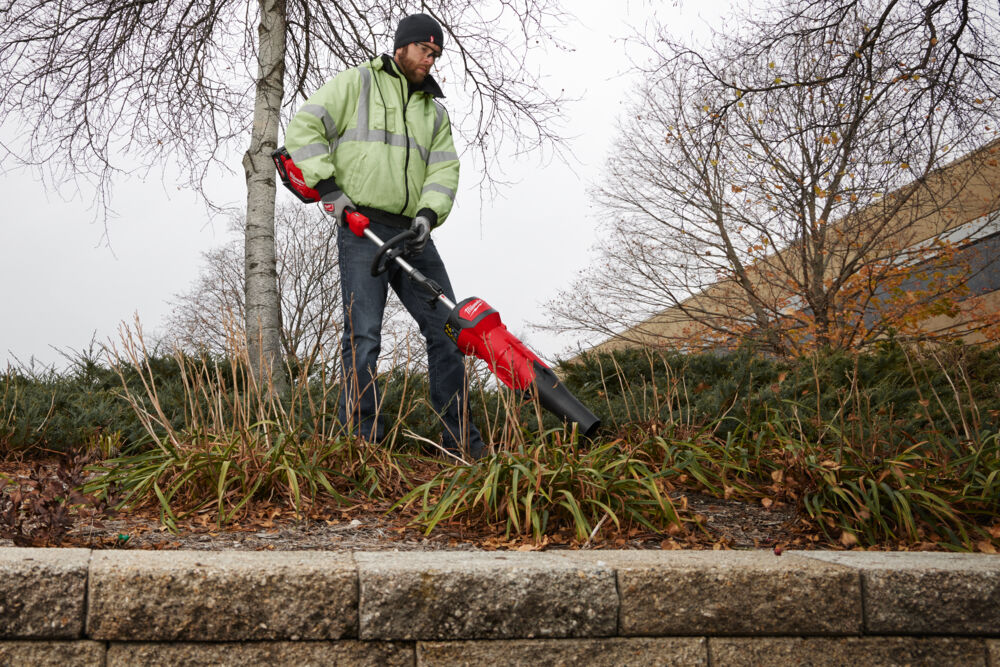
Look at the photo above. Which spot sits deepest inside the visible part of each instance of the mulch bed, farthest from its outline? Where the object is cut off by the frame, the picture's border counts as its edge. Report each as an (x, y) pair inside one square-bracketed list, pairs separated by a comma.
[(722, 524)]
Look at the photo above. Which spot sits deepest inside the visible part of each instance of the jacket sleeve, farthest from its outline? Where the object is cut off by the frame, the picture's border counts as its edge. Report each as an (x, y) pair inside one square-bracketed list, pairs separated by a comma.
[(441, 181), (314, 129)]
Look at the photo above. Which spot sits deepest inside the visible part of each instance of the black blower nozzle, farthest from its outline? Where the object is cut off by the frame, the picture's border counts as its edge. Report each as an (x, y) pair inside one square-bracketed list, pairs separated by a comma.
[(557, 399)]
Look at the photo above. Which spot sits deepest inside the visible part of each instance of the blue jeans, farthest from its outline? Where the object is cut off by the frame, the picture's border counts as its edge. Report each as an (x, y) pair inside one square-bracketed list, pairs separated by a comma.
[(364, 298)]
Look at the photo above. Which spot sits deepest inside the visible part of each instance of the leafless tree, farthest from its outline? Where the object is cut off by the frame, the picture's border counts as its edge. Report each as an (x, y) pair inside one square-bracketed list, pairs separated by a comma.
[(100, 87), (770, 186), (209, 315)]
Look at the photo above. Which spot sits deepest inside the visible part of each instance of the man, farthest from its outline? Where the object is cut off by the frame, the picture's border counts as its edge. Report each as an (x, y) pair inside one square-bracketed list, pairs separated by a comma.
[(375, 138)]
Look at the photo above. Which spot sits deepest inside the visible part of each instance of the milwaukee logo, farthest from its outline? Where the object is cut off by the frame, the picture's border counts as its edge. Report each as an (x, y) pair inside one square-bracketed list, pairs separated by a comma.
[(473, 308)]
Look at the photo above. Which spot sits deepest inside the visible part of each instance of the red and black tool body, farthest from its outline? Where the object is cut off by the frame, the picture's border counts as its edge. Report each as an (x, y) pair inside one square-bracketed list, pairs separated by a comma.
[(478, 331), (292, 177)]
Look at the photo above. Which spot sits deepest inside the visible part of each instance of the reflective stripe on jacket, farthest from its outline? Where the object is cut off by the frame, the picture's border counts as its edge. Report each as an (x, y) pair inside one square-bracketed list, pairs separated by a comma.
[(386, 149)]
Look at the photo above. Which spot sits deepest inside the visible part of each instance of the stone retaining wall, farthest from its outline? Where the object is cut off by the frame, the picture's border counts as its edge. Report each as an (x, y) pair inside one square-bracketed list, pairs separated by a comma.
[(81, 607)]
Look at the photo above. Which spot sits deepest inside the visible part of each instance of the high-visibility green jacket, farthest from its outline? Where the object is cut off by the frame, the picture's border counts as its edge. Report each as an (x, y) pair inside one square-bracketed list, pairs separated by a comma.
[(364, 133)]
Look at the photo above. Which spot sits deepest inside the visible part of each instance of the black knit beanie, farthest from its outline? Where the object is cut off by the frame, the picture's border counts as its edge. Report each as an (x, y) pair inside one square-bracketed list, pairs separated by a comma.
[(418, 28)]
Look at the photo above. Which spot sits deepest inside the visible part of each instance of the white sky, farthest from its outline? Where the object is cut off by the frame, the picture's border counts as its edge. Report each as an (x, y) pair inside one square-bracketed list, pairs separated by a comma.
[(63, 283)]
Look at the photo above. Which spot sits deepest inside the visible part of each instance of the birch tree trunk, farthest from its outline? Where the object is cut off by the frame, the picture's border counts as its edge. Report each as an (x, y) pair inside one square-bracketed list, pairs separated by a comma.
[(263, 301)]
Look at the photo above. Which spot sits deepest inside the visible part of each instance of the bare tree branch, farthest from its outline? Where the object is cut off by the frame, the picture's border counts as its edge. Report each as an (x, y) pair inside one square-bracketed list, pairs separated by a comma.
[(772, 187), (99, 87), (210, 314)]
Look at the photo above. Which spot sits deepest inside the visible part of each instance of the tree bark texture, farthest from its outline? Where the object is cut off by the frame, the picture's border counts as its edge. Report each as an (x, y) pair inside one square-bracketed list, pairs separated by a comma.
[(263, 301)]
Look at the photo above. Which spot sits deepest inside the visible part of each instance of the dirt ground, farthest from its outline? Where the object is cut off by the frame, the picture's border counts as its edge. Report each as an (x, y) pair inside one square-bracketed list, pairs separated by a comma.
[(721, 524), (728, 524)]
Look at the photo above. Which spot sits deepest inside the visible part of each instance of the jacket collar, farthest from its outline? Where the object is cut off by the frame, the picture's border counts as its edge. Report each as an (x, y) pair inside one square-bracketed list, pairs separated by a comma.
[(389, 66)]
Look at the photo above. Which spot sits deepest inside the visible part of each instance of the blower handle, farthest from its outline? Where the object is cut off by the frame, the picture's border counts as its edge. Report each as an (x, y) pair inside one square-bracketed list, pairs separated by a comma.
[(388, 251)]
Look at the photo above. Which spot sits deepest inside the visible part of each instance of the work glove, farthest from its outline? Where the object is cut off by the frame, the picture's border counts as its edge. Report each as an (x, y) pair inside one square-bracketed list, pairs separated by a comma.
[(422, 226), (334, 204)]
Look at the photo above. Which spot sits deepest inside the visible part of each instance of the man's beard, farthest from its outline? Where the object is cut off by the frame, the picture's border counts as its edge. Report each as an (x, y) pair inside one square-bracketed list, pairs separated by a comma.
[(409, 68)]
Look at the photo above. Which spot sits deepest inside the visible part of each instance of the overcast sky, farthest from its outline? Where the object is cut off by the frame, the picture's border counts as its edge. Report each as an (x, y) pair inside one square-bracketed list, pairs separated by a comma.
[(65, 282)]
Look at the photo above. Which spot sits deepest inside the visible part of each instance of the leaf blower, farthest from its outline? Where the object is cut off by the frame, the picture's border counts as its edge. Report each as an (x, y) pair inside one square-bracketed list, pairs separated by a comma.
[(473, 325)]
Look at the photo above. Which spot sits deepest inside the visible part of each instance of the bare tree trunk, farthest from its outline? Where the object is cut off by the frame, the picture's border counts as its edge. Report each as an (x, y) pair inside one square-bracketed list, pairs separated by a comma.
[(263, 302)]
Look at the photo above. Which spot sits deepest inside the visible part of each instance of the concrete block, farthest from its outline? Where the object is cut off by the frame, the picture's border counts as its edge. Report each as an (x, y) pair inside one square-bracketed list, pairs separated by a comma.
[(926, 592), (42, 592), (670, 593), (483, 595), (302, 654), (221, 596), (616, 652), (51, 654), (836, 652)]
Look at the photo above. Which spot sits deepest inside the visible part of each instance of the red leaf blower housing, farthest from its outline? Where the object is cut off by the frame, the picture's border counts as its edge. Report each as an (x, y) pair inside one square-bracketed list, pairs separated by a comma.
[(473, 325)]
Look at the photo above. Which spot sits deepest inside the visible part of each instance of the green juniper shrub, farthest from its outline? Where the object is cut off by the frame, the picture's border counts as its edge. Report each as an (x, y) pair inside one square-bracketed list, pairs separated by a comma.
[(916, 392), (891, 445), (50, 411)]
